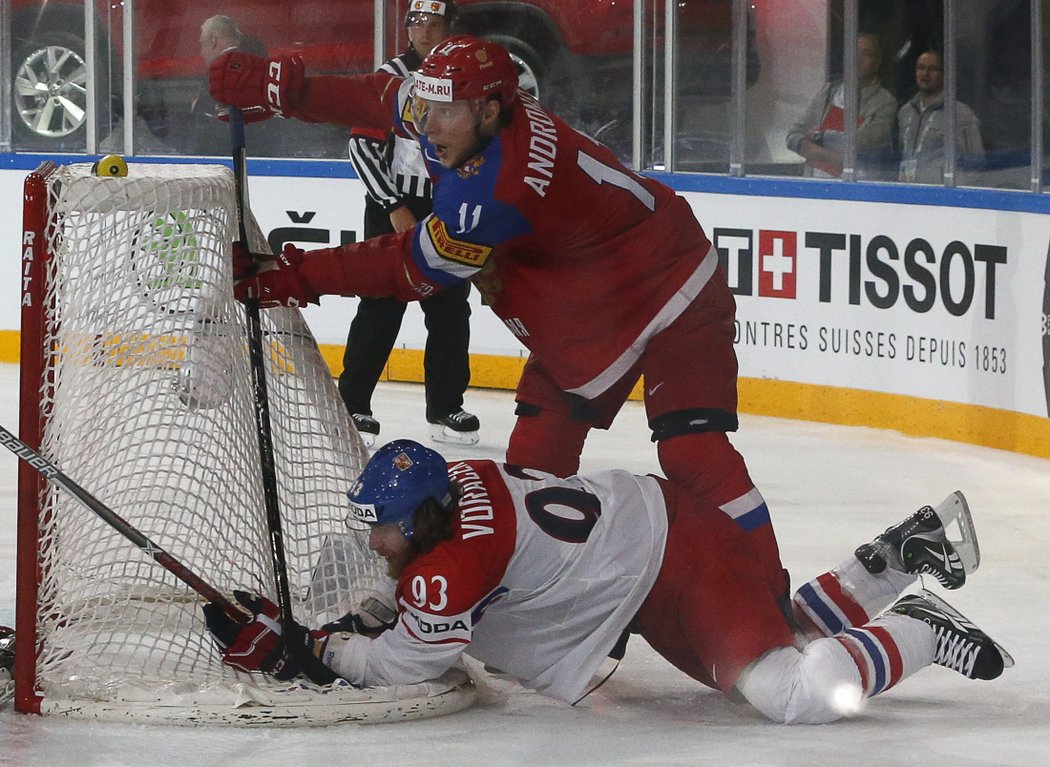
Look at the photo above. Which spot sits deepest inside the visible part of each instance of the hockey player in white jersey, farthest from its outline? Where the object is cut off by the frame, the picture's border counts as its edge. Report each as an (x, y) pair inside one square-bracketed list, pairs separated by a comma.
[(540, 577)]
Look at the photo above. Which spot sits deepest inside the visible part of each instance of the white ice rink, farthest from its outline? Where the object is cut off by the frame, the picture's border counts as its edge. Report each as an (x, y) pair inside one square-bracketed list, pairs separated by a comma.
[(829, 489)]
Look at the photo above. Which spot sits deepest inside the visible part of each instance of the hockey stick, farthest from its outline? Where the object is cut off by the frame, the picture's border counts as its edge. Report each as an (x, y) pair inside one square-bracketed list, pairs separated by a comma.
[(258, 367), (53, 474)]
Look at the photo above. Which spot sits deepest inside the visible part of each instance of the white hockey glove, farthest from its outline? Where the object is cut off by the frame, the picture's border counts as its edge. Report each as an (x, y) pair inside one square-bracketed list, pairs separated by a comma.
[(375, 614)]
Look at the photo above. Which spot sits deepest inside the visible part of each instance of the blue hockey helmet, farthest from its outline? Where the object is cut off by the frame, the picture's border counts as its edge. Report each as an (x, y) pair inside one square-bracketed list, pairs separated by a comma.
[(396, 481)]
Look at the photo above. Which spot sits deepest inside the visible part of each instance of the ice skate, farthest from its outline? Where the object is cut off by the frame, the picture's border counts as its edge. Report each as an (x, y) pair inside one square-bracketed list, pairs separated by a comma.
[(961, 645), (459, 428), (922, 544), (367, 427), (7, 654)]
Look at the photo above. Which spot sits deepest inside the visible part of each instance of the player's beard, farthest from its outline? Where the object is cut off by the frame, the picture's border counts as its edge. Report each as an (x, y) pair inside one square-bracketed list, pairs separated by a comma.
[(396, 565)]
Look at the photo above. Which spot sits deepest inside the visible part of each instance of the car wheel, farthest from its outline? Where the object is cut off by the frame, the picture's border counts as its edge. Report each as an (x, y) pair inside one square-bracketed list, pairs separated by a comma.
[(49, 93)]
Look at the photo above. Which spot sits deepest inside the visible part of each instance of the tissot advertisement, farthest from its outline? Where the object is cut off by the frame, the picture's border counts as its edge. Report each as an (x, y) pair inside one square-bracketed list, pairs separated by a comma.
[(936, 302), (933, 302)]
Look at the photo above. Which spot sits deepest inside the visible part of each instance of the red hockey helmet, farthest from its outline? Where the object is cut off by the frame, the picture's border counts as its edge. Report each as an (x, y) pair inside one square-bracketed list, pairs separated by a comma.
[(464, 67)]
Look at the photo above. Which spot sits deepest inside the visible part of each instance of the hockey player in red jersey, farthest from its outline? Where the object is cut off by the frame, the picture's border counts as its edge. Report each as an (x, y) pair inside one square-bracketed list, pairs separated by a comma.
[(540, 577), (604, 275)]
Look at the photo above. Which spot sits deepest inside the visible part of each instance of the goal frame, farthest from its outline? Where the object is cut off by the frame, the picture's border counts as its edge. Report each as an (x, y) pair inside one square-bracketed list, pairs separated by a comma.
[(271, 704), (35, 256)]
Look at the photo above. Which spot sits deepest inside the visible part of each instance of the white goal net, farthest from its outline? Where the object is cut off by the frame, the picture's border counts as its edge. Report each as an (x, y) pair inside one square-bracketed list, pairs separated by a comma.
[(137, 385)]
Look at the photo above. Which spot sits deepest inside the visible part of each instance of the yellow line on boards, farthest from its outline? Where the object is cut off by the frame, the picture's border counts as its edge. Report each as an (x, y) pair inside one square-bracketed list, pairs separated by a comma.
[(971, 424)]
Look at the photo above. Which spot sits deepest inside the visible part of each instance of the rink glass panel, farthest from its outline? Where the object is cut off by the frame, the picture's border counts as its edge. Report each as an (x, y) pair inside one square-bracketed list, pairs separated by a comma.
[(707, 86)]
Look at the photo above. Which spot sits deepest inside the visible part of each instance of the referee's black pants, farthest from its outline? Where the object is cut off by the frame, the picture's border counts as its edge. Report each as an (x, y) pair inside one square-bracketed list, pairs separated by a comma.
[(446, 363)]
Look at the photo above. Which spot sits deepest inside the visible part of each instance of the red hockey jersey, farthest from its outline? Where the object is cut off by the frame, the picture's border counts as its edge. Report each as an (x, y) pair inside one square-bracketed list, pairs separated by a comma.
[(583, 259)]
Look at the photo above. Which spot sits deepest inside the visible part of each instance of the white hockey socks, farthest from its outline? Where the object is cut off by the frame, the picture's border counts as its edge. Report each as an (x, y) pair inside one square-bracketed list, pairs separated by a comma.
[(846, 596), (832, 677)]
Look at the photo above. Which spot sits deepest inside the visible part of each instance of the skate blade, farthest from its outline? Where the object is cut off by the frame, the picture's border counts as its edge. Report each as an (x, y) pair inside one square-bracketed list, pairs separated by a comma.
[(940, 604), (955, 509), (441, 433)]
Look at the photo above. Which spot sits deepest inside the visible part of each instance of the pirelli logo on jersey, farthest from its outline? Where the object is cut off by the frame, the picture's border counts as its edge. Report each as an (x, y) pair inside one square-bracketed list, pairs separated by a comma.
[(448, 247)]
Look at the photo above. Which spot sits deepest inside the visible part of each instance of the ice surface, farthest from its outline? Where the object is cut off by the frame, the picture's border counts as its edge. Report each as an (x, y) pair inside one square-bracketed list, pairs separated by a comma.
[(829, 488)]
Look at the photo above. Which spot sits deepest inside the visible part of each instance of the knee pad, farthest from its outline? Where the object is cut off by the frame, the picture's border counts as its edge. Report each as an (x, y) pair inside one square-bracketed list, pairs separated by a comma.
[(816, 686), (693, 421)]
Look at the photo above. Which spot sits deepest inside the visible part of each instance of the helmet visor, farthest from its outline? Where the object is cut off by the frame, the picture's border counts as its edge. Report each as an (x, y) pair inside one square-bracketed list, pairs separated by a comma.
[(415, 19), (427, 114)]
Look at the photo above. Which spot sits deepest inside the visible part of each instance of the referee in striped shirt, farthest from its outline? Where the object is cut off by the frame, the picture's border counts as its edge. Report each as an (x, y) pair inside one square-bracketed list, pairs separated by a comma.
[(399, 194)]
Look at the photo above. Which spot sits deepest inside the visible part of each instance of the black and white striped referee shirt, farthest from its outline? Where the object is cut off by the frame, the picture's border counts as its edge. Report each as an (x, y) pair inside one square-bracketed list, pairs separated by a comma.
[(391, 167)]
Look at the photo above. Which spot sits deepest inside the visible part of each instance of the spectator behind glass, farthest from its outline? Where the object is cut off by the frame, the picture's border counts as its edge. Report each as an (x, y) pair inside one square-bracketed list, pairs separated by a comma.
[(209, 136), (819, 137), (922, 126), (218, 34)]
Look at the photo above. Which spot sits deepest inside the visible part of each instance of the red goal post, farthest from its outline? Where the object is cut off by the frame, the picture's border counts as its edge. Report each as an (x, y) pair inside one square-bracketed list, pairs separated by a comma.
[(135, 381)]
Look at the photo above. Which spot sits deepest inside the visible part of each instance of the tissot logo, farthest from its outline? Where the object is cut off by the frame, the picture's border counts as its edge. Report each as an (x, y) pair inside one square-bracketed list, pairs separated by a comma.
[(879, 271), (776, 264)]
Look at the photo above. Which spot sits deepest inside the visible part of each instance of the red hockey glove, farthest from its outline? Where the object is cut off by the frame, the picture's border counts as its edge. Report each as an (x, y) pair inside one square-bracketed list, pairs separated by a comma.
[(246, 263), (256, 86), (264, 644), (282, 286), (254, 646)]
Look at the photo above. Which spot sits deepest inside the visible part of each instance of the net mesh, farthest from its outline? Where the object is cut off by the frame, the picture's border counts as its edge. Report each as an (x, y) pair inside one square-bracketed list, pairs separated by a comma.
[(147, 402)]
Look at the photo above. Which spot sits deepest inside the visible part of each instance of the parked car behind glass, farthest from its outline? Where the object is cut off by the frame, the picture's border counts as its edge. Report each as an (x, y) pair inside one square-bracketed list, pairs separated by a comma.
[(575, 54)]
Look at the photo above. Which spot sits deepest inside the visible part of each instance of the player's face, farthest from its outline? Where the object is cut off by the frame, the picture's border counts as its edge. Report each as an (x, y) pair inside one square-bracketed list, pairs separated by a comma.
[(457, 129), (209, 47), (425, 31), (388, 542)]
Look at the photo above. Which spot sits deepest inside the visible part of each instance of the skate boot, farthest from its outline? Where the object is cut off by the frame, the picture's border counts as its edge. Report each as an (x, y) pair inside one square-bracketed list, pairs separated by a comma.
[(961, 646), (367, 427), (921, 544), (459, 428)]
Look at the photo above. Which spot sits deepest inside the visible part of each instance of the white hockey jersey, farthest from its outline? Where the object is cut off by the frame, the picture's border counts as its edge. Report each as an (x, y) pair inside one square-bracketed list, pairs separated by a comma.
[(540, 579)]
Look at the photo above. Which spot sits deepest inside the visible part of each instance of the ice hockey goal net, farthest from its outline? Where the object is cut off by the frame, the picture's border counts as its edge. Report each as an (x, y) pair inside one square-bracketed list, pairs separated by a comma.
[(136, 383)]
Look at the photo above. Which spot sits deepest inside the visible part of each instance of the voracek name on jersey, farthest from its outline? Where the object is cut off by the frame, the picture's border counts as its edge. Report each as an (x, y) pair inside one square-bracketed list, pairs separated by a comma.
[(881, 271)]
